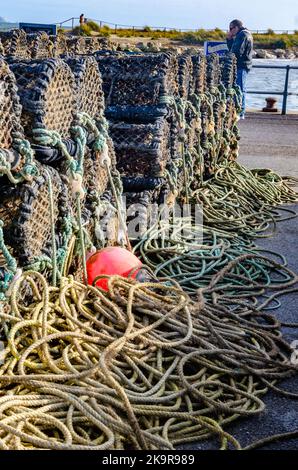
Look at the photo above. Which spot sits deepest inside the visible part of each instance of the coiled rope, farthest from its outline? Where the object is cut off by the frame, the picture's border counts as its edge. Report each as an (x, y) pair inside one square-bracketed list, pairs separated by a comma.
[(141, 366)]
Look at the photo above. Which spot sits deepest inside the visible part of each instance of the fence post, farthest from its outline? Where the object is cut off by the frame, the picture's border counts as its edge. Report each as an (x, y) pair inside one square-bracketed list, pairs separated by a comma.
[(72, 22), (115, 28), (285, 93)]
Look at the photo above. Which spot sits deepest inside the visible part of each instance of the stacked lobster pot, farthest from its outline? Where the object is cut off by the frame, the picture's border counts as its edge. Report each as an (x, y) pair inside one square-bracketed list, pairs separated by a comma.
[(14, 44), (230, 141), (196, 105), (26, 214), (59, 45), (141, 93), (219, 108), (40, 45), (76, 45), (192, 78), (92, 45), (101, 178), (71, 157), (17, 44), (211, 116)]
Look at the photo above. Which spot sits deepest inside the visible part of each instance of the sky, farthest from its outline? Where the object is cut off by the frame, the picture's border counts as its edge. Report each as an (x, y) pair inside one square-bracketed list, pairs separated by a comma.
[(192, 14)]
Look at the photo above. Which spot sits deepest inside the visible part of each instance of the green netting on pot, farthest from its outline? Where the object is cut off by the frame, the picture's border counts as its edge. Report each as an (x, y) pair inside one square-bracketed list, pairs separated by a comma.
[(47, 93), (30, 210), (95, 176), (16, 156)]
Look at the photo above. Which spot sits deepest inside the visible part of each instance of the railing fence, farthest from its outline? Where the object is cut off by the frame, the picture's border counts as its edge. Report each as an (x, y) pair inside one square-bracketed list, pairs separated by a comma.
[(285, 93)]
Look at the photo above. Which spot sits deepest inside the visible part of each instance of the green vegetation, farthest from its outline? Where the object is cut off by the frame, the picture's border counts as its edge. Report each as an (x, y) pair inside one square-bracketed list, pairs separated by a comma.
[(268, 40)]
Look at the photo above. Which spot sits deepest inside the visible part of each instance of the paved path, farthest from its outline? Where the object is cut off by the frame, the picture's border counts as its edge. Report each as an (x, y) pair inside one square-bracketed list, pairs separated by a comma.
[(270, 141), (281, 413)]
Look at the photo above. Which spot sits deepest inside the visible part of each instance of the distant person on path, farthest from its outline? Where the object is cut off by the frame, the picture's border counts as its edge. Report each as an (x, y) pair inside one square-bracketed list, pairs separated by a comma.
[(240, 42), (82, 19)]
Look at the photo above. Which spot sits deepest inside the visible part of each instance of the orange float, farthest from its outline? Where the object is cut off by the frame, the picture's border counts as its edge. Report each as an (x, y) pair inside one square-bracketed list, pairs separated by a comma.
[(110, 261)]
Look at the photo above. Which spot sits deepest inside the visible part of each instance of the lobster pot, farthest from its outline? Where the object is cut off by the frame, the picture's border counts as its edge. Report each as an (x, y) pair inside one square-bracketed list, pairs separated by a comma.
[(232, 133), (228, 69), (76, 45), (15, 44), (199, 73), (142, 149), (90, 97), (192, 148), (141, 183), (10, 119), (141, 211), (234, 143), (192, 133), (185, 76), (95, 181), (40, 45), (144, 208), (106, 44), (219, 111), (59, 45), (137, 84), (92, 45), (10, 110), (231, 115), (26, 212), (212, 71), (207, 139), (96, 176), (47, 93), (227, 146), (103, 228)]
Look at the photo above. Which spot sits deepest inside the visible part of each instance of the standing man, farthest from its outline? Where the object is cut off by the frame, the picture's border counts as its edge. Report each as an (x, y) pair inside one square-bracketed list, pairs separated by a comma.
[(240, 42), (82, 19)]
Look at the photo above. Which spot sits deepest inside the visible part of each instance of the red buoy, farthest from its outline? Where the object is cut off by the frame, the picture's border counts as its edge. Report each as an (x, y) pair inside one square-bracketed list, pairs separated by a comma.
[(110, 261)]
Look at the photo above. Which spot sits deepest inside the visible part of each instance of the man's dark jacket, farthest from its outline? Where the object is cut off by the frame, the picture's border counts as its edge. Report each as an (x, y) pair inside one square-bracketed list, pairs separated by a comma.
[(242, 47)]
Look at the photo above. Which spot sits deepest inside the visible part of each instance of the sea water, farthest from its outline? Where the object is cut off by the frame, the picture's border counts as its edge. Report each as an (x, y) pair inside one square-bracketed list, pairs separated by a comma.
[(272, 80)]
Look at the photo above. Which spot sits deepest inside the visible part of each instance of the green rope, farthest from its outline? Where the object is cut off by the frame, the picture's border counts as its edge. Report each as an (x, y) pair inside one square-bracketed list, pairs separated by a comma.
[(29, 168), (10, 268), (54, 254)]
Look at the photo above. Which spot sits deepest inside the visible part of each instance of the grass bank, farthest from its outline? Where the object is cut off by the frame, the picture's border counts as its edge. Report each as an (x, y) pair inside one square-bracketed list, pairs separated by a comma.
[(269, 40)]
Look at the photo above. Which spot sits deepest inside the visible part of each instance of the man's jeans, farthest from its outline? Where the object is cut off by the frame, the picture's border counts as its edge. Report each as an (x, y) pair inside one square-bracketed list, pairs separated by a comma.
[(241, 81)]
